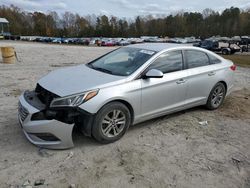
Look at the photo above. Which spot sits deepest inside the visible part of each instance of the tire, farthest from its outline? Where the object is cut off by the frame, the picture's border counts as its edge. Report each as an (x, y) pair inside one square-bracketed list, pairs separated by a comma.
[(225, 52), (111, 122), (216, 96)]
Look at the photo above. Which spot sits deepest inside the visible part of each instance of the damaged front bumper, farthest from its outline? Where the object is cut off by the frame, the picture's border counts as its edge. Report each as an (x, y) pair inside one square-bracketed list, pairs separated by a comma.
[(47, 133)]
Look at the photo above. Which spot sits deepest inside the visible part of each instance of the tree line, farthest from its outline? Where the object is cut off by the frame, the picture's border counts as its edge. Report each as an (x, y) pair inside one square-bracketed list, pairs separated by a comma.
[(230, 22)]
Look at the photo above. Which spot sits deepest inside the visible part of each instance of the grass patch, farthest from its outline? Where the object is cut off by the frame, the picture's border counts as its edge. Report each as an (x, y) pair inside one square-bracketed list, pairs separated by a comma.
[(241, 60)]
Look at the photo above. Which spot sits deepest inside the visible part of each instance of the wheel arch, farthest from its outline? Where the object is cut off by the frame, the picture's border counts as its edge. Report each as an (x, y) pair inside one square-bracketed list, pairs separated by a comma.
[(208, 103), (126, 103), (224, 83)]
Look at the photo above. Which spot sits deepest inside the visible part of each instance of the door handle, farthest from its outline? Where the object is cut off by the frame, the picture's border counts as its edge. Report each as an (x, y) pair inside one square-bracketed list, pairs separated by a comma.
[(211, 73), (181, 81)]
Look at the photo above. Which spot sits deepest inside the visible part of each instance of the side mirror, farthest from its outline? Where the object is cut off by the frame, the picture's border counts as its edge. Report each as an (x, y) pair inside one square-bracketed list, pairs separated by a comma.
[(153, 73)]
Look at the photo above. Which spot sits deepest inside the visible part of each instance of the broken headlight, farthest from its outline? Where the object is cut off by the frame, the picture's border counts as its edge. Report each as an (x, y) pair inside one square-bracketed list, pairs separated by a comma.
[(73, 100)]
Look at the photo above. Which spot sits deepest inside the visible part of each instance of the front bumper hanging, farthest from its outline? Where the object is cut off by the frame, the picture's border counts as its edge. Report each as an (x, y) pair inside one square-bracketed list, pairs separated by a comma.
[(47, 133)]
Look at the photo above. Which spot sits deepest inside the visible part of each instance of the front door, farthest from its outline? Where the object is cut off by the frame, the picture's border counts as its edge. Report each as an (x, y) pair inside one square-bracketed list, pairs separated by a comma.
[(166, 94)]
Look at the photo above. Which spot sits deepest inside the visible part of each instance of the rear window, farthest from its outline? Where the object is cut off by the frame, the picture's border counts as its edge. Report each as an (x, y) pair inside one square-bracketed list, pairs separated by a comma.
[(213, 59), (196, 58)]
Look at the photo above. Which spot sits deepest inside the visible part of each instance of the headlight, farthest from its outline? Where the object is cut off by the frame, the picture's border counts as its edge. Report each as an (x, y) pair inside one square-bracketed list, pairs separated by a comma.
[(73, 100)]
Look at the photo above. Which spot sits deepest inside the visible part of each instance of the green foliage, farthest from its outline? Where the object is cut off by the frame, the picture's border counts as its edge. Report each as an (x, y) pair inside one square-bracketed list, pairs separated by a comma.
[(230, 22)]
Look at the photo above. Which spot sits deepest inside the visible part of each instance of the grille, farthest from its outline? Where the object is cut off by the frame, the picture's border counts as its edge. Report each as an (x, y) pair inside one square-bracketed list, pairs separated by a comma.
[(46, 136), (23, 112), (44, 95)]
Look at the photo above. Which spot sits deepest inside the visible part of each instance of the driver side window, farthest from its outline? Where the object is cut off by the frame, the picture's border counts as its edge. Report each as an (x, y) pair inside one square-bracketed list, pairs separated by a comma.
[(168, 62)]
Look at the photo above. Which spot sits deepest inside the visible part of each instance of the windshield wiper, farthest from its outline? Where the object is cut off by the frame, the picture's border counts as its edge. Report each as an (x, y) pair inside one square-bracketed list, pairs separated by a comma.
[(101, 69)]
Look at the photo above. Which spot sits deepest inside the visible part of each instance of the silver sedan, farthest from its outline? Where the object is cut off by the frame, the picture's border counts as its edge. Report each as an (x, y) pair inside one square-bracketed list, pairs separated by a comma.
[(124, 87)]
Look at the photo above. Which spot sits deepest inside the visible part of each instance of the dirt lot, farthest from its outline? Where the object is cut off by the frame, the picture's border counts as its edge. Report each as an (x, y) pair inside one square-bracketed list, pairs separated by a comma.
[(171, 151)]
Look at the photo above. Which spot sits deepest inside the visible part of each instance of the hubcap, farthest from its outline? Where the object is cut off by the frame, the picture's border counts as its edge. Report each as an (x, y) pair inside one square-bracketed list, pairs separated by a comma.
[(113, 123), (217, 96)]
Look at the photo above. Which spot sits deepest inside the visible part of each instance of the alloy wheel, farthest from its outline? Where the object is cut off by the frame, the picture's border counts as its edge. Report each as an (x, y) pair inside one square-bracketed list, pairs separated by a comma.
[(113, 123), (217, 96)]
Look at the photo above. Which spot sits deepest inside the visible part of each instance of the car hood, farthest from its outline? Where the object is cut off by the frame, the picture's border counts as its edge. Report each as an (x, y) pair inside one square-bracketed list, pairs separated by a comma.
[(77, 79)]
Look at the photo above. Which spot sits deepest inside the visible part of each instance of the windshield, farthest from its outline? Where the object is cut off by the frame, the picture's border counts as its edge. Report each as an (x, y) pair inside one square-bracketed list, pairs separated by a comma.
[(122, 62)]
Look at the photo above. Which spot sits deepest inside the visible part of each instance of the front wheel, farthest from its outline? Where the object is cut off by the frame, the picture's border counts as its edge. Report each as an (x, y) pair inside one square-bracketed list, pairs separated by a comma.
[(216, 96), (111, 122)]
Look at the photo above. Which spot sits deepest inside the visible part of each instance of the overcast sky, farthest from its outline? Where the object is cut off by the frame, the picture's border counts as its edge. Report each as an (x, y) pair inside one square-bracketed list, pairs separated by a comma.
[(125, 8)]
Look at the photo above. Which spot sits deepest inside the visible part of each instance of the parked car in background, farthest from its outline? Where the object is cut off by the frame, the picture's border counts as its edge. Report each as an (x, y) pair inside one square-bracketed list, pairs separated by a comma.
[(124, 42), (135, 40), (81, 41), (108, 43), (211, 45), (65, 40), (228, 48), (48, 39), (92, 41), (126, 86), (224, 47), (244, 43), (57, 40)]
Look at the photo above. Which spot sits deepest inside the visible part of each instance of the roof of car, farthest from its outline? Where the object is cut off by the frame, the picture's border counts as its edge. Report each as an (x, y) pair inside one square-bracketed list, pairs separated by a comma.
[(156, 46)]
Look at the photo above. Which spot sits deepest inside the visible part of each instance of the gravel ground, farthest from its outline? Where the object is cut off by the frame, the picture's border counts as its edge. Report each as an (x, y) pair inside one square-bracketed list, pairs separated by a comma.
[(171, 151)]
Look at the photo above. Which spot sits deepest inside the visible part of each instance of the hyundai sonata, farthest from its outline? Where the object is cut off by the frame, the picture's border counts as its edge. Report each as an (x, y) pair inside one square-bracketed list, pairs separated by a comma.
[(124, 87)]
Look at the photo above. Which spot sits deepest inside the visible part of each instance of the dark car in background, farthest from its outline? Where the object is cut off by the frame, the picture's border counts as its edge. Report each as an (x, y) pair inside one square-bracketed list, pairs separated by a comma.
[(220, 46), (211, 45)]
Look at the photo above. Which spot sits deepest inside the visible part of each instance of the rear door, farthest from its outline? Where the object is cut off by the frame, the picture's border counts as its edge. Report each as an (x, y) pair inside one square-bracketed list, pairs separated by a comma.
[(202, 76), (160, 95)]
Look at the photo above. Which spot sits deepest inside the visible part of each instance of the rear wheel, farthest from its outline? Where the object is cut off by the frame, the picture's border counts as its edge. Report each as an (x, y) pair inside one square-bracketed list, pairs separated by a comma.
[(225, 52), (216, 96), (244, 49), (111, 122)]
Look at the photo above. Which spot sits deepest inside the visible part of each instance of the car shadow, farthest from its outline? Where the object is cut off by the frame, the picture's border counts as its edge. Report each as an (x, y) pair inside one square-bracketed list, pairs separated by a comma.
[(81, 140), (151, 122)]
